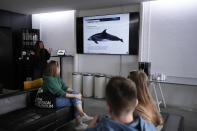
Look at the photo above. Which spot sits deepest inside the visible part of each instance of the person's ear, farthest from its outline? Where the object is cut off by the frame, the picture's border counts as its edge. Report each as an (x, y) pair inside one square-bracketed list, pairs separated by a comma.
[(108, 107), (136, 103)]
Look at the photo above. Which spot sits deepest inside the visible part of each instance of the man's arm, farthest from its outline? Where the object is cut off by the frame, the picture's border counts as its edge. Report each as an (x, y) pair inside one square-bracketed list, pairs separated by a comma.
[(93, 122)]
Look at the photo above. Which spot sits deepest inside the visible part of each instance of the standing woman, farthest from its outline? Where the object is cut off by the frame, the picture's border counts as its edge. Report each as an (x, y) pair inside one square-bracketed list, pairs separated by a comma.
[(65, 96), (146, 108), (40, 57)]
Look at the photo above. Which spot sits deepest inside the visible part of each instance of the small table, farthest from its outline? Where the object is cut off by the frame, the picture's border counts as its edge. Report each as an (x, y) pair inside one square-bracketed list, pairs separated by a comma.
[(60, 59), (157, 84), (171, 80)]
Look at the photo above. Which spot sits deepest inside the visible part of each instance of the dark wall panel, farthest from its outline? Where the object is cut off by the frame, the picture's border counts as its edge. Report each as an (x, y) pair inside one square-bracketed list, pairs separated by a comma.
[(6, 57), (15, 22), (5, 19)]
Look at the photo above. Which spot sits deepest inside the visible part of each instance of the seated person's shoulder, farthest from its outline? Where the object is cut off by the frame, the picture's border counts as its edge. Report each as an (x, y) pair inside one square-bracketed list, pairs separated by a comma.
[(146, 125), (105, 124)]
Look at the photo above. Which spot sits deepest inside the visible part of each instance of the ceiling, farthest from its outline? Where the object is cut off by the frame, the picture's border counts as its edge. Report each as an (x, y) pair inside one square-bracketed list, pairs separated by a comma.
[(43, 6)]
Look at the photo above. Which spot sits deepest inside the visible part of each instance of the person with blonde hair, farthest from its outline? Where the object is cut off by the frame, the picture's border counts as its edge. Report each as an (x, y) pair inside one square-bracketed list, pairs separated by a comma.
[(65, 96), (146, 108)]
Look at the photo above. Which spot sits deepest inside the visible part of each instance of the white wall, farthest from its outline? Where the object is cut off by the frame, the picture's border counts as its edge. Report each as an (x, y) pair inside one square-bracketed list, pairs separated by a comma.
[(57, 31), (169, 29), (107, 64), (168, 41)]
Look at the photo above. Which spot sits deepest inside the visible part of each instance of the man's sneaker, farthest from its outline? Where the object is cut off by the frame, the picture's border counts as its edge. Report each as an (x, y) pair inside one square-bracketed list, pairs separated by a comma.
[(81, 126), (85, 118)]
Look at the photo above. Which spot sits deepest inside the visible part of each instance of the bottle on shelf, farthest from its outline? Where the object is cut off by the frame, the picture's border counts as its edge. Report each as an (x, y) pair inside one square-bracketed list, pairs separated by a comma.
[(23, 34), (27, 35)]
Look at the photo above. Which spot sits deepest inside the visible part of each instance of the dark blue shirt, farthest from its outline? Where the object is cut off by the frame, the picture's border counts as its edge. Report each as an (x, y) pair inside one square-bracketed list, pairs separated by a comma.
[(106, 124)]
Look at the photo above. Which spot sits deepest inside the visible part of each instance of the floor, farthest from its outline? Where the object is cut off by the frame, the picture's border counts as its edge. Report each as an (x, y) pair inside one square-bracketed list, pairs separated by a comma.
[(92, 107), (97, 106), (190, 117)]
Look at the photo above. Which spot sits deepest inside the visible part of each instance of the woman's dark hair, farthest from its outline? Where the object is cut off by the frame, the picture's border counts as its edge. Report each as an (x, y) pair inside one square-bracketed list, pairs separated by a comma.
[(121, 95), (37, 47)]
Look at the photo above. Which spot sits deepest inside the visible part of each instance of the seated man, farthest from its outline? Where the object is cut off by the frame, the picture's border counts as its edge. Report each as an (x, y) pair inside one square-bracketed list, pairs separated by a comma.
[(121, 99)]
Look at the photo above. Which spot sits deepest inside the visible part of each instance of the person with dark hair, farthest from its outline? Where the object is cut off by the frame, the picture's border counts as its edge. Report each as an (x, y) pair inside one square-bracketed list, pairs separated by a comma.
[(146, 108), (40, 57), (65, 96), (121, 100)]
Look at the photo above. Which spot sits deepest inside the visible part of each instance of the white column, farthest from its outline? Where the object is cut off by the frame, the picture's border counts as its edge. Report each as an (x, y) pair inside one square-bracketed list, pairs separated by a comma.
[(144, 40)]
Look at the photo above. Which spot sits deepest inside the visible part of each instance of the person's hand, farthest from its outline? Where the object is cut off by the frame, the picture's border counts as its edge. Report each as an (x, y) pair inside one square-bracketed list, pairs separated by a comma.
[(69, 89), (32, 52), (93, 121), (50, 50), (79, 96)]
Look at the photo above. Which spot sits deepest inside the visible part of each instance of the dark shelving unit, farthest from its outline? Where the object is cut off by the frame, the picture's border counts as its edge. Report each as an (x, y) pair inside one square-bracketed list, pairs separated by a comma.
[(28, 41), (29, 38)]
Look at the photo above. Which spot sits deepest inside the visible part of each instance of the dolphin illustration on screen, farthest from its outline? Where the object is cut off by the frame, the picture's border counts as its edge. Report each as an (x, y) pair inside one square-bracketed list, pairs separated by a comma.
[(104, 36)]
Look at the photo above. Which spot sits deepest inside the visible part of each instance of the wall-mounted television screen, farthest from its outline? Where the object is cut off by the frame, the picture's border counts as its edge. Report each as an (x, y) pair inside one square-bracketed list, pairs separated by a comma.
[(108, 34)]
